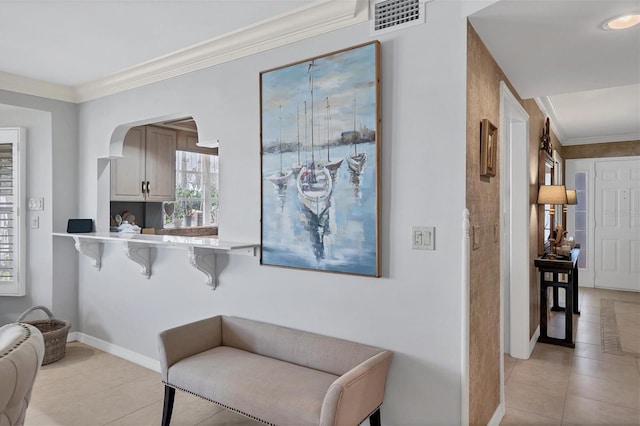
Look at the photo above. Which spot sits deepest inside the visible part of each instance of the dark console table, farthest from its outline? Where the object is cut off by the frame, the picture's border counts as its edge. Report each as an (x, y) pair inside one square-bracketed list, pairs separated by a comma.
[(553, 268)]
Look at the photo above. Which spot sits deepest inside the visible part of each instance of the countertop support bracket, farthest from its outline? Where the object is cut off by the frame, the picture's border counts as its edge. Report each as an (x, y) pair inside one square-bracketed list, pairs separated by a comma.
[(205, 261), (140, 254), (90, 248)]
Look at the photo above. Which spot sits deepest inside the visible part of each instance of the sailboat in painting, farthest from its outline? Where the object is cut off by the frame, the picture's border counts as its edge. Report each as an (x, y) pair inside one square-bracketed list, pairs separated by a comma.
[(314, 188), (356, 161), (331, 165), (314, 183), (281, 177), (296, 167)]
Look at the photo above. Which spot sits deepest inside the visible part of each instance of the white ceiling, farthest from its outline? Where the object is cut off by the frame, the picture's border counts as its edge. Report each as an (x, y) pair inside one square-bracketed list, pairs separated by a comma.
[(72, 42), (588, 78)]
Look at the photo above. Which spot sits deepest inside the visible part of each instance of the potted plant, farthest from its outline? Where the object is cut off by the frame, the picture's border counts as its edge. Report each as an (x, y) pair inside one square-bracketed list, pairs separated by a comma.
[(189, 201)]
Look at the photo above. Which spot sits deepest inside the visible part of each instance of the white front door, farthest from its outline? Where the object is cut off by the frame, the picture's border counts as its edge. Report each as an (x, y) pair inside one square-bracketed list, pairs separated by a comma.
[(617, 228)]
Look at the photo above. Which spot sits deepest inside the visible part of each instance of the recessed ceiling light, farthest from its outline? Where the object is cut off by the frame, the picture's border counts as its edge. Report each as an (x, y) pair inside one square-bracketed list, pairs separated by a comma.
[(622, 22)]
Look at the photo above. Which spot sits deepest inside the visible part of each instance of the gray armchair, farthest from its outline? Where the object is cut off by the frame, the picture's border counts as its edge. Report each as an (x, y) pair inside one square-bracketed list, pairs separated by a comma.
[(21, 354)]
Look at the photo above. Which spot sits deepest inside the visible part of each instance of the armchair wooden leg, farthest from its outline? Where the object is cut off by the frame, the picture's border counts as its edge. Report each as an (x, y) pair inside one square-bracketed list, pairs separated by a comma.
[(169, 396), (374, 418)]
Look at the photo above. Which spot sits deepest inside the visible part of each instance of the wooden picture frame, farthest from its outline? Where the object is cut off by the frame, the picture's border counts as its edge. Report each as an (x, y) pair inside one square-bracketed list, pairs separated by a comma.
[(320, 163), (488, 148)]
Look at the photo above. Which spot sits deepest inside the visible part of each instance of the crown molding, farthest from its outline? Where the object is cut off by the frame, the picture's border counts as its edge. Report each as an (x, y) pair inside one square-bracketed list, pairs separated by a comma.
[(547, 109), (311, 20), (603, 139), (316, 18), (32, 86)]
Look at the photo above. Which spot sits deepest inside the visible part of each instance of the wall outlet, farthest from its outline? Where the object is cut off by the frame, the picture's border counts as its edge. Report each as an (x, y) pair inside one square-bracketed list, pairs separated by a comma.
[(35, 222)]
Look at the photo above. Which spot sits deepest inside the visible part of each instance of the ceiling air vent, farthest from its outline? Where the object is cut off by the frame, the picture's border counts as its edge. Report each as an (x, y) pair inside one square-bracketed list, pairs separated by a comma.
[(392, 15)]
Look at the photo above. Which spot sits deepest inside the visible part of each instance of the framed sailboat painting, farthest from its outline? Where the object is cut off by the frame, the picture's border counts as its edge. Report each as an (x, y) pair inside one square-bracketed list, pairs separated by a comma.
[(320, 161)]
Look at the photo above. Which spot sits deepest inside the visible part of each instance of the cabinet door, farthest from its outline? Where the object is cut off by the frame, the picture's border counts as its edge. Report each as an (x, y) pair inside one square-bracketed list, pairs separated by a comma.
[(127, 173), (161, 164)]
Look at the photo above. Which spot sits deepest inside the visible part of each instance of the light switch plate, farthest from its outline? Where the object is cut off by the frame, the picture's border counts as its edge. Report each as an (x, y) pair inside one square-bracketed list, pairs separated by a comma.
[(430, 241), (476, 237), (423, 238), (35, 204)]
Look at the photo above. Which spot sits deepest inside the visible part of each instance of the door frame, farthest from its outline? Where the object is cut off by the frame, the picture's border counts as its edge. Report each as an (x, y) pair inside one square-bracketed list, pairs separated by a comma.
[(515, 217), (588, 165)]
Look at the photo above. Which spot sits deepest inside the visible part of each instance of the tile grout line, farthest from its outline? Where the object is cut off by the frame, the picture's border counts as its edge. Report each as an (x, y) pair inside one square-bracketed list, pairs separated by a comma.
[(604, 307), (132, 412), (566, 391), (591, 328)]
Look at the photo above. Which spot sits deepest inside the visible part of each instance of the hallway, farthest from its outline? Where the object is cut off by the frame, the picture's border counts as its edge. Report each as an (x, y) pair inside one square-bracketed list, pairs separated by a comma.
[(592, 384)]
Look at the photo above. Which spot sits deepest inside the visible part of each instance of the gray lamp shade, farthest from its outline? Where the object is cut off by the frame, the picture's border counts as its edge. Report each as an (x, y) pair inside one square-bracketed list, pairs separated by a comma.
[(552, 194), (572, 196)]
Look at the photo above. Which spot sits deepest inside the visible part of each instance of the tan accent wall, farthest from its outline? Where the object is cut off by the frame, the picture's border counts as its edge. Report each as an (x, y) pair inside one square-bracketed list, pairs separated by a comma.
[(597, 150), (536, 126), (536, 228), (482, 195), (483, 101)]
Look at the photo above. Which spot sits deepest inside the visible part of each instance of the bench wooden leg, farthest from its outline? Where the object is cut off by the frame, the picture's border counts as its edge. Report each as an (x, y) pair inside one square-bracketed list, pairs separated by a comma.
[(169, 396), (374, 419)]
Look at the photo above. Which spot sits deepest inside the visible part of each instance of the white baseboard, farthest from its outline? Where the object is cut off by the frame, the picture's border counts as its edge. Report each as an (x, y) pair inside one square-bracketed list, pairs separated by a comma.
[(533, 341), (115, 350), (497, 415)]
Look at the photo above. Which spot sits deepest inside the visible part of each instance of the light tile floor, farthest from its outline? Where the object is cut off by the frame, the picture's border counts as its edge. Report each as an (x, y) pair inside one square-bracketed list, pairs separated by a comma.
[(89, 387), (556, 386), (581, 386)]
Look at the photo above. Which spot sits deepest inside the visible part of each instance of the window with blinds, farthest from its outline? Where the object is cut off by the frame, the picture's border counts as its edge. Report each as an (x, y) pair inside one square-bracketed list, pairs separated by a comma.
[(11, 213)]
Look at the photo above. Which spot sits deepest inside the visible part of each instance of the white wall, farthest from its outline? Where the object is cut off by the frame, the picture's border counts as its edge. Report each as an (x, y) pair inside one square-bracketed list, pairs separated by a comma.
[(51, 174), (413, 310)]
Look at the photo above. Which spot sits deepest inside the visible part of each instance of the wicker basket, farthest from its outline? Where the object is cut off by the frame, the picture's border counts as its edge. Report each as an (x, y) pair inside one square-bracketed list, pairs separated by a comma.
[(54, 332)]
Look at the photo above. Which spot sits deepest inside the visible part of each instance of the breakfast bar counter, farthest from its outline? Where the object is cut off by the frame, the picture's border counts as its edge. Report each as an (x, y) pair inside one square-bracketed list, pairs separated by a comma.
[(202, 251)]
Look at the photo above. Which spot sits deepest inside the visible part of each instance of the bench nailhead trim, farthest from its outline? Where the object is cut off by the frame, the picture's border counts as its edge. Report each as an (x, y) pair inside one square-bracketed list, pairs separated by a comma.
[(222, 405), (14, 347)]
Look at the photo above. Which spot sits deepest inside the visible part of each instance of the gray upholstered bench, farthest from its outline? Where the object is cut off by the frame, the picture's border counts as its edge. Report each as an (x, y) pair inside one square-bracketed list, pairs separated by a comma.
[(273, 374)]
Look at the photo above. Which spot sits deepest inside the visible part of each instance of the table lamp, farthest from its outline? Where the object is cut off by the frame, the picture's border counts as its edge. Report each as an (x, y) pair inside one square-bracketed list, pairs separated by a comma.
[(552, 195)]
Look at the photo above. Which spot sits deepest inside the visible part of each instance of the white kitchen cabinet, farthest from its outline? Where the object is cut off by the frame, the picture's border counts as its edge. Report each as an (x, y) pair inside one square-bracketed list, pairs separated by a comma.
[(160, 164), (147, 170)]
